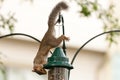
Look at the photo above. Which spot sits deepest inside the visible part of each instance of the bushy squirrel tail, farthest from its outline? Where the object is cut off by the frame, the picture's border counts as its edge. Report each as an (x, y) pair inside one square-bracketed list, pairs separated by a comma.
[(52, 17)]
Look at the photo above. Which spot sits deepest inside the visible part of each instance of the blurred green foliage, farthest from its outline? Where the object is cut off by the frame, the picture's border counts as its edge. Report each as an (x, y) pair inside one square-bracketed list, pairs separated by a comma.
[(2, 69), (7, 21), (87, 7), (107, 16)]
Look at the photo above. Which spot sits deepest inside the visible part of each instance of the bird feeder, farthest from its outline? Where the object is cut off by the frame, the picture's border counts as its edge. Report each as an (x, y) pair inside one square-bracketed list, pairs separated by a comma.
[(58, 65)]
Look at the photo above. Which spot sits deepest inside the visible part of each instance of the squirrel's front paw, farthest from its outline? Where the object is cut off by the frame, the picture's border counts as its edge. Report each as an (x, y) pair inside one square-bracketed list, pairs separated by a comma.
[(39, 70), (65, 38)]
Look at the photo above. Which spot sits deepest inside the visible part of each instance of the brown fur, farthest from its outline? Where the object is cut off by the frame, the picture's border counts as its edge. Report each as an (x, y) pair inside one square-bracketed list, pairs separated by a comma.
[(49, 41)]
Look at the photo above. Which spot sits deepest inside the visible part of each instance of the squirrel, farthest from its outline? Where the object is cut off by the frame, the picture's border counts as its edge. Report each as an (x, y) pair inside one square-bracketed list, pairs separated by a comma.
[(49, 40)]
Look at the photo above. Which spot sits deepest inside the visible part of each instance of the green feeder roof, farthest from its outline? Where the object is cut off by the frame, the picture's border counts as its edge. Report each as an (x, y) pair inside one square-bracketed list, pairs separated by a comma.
[(58, 59)]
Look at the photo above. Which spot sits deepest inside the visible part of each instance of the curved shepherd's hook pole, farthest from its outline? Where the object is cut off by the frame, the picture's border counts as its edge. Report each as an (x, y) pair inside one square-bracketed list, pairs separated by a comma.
[(74, 57), (13, 34)]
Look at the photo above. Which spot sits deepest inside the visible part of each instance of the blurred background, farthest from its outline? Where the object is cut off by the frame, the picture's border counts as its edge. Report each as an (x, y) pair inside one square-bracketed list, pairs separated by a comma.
[(98, 60)]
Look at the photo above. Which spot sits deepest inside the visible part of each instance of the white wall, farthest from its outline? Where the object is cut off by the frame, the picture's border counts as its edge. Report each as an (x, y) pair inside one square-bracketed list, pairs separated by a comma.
[(20, 54)]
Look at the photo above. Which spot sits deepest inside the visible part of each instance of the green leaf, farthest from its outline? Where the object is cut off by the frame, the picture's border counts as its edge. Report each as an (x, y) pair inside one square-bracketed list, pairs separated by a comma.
[(95, 7), (11, 27), (85, 11)]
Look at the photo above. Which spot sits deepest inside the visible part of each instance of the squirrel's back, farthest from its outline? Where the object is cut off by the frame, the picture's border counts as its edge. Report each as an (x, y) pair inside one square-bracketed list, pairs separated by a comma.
[(52, 17)]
